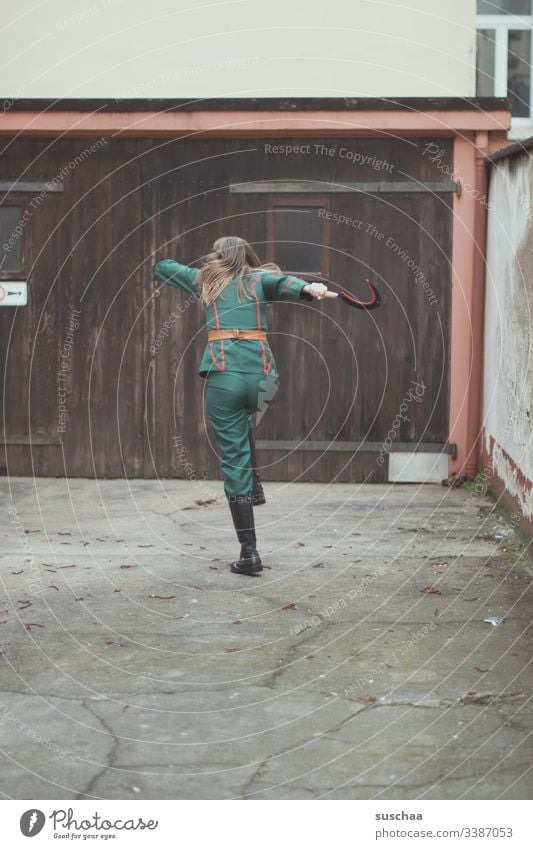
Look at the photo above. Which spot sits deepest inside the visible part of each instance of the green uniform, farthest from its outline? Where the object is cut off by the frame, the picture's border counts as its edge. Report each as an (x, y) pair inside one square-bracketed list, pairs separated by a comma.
[(242, 374)]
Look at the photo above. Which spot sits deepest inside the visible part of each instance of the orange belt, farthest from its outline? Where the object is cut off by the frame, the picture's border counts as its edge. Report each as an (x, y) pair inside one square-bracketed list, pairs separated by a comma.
[(216, 335)]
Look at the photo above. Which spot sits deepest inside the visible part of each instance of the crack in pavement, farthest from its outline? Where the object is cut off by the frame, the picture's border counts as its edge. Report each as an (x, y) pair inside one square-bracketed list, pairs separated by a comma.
[(111, 756)]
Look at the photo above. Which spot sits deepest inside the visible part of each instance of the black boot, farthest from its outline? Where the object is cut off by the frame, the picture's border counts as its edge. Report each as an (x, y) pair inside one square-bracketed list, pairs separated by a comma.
[(258, 495), (242, 513)]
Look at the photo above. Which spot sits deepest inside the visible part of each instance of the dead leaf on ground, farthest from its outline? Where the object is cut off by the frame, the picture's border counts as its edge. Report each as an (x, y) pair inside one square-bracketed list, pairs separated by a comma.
[(481, 669), (24, 603), (366, 699), (310, 657), (429, 590), (290, 606), (317, 565), (473, 698), (237, 622), (26, 531), (215, 568), (301, 544), (18, 573), (64, 533), (30, 625), (230, 650), (476, 598), (53, 587)]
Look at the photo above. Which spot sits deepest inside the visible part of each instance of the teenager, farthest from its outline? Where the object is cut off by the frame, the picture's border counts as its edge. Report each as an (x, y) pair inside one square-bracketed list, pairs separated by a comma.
[(238, 364)]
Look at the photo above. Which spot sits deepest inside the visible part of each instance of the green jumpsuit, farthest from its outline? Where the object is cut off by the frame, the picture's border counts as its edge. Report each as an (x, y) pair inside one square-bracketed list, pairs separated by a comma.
[(241, 373)]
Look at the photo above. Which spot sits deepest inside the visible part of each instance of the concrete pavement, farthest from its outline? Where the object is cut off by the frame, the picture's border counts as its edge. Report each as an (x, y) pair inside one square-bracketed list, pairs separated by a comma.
[(134, 665)]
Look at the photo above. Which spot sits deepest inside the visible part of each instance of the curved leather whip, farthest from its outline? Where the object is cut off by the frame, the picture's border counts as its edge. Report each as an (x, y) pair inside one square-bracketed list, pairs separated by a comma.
[(373, 303)]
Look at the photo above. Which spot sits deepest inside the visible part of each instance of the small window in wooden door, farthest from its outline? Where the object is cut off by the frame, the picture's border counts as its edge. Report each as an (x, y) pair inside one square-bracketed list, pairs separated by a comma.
[(12, 237), (297, 235)]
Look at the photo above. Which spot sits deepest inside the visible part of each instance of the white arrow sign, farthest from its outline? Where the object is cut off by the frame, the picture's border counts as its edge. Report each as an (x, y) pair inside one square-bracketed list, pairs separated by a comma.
[(13, 294)]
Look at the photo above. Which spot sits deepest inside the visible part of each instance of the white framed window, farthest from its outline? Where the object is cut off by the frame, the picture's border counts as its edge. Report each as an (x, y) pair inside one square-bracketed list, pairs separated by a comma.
[(504, 55)]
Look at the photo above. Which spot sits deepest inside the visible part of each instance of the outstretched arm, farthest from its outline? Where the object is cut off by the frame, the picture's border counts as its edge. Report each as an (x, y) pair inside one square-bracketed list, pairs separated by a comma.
[(285, 287), (169, 271)]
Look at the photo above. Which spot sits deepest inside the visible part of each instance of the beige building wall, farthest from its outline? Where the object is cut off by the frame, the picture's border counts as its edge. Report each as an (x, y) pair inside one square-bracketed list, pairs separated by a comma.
[(237, 48)]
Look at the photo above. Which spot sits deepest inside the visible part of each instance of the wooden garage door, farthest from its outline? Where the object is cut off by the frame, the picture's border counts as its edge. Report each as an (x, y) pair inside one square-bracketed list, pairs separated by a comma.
[(349, 208)]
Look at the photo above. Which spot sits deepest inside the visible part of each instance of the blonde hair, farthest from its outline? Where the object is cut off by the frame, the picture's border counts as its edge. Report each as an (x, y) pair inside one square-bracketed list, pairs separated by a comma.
[(232, 257)]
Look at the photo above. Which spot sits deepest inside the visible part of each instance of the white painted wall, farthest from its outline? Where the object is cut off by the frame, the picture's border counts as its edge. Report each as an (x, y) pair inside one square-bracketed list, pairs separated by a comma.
[(508, 370), (237, 48)]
